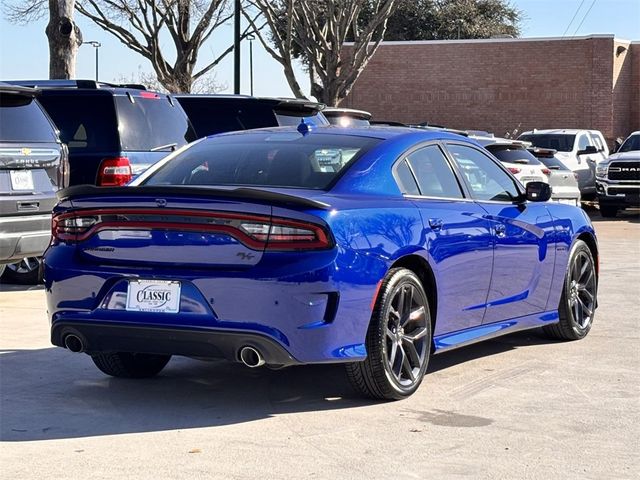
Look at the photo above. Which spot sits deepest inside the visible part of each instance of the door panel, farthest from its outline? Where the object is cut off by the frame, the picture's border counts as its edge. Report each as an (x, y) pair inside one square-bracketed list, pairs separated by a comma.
[(523, 260)]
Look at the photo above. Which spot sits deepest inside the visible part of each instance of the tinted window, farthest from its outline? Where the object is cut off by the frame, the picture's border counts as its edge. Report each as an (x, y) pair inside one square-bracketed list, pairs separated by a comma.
[(406, 180), (289, 120), (510, 154), (433, 173), (583, 142), (559, 142), (86, 122), (280, 160), (553, 162), (151, 121), (486, 179), (631, 144), (21, 120), (212, 115)]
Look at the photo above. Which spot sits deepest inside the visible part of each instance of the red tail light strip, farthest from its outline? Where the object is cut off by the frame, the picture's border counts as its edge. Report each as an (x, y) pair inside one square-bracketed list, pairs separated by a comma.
[(312, 237)]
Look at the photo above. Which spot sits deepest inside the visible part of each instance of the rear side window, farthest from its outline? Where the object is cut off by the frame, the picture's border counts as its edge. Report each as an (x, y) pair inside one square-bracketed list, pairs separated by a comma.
[(559, 142), (150, 122), (510, 154), (433, 173), (275, 160), (21, 120), (87, 123)]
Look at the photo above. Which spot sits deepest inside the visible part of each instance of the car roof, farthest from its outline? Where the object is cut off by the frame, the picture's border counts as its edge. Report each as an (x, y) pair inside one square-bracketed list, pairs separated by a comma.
[(380, 132), (18, 89), (85, 86), (557, 131)]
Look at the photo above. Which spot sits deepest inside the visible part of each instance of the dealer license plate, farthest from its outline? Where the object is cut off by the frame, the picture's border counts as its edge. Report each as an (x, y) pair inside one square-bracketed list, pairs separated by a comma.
[(161, 296), (21, 179), (568, 201)]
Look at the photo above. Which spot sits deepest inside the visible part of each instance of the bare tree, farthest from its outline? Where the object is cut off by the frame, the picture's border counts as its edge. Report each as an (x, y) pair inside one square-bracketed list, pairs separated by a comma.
[(139, 25), (63, 33), (316, 31)]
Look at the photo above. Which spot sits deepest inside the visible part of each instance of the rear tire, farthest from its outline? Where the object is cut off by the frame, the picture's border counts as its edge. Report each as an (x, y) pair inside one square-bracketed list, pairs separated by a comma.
[(608, 211), (130, 365), (398, 340), (25, 272), (578, 302)]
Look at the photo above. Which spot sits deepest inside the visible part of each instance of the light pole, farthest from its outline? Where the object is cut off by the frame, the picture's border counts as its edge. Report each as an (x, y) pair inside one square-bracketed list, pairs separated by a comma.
[(251, 37), (95, 45), (236, 47)]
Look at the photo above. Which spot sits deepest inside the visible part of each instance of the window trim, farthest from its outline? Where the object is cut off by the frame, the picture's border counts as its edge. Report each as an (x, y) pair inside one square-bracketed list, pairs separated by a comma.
[(518, 185), (414, 148)]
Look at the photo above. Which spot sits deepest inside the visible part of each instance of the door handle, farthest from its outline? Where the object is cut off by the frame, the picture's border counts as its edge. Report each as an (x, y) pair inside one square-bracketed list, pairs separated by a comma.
[(435, 224), (501, 230)]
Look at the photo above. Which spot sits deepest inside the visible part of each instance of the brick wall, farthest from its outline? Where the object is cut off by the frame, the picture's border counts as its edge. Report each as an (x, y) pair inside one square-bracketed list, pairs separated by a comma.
[(502, 85)]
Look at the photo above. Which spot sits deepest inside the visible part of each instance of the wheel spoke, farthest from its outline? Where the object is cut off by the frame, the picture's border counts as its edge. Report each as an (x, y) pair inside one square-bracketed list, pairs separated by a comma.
[(390, 334), (396, 367), (401, 296), (417, 314), (412, 353), (584, 291), (589, 274), (417, 334), (576, 312), (584, 308), (406, 366), (406, 307), (395, 313), (393, 354), (575, 269)]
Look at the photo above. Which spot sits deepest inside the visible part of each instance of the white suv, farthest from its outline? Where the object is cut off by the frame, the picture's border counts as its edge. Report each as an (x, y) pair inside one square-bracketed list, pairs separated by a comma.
[(579, 150)]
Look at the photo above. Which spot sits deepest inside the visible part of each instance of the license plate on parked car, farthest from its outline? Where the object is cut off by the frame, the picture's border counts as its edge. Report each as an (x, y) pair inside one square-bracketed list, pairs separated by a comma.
[(153, 296), (525, 180), (568, 201), (21, 179)]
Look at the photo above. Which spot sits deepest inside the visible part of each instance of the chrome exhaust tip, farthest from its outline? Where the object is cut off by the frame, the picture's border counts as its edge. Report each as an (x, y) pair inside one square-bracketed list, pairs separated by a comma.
[(251, 357), (73, 343)]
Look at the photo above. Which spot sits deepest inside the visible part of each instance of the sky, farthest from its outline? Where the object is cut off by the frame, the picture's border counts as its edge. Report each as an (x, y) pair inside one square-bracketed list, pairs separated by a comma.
[(24, 51)]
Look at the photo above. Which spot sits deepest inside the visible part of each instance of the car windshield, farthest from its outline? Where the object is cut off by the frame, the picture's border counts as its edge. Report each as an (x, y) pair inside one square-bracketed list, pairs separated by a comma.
[(510, 154), (631, 144), (22, 120), (283, 159), (561, 142), (151, 121)]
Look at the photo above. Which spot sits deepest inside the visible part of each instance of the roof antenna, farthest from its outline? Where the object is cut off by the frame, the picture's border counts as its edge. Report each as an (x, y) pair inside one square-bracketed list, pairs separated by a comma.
[(303, 128)]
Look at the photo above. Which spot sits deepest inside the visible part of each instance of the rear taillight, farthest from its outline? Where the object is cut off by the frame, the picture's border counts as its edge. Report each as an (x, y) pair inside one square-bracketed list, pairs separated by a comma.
[(282, 234), (114, 172), (546, 171), (514, 170), (254, 231)]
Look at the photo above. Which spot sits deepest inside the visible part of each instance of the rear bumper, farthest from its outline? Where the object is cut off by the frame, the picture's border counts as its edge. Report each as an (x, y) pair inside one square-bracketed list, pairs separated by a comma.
[(202, 343), (24, 236)]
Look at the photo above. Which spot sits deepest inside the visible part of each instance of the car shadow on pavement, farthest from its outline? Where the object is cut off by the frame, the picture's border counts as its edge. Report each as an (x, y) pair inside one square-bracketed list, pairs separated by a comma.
[(631, 215), (51, 393), (14, 287)]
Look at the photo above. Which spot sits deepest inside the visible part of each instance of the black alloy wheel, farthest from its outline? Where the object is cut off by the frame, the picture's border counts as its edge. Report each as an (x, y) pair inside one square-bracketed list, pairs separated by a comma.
[(578, 301), (398, 340)]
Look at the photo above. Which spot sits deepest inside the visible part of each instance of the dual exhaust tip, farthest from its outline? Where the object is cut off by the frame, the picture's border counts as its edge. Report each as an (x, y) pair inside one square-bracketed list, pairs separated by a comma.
[(249, 356)]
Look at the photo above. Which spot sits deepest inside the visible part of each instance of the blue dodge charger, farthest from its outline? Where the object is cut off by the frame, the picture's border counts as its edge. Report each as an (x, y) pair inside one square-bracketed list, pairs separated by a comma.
[(375, 247)]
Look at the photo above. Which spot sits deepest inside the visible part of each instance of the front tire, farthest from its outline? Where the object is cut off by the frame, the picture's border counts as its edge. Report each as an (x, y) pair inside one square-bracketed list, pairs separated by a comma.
[(578, 302), (130, 365), (398, 340), (608, 211)]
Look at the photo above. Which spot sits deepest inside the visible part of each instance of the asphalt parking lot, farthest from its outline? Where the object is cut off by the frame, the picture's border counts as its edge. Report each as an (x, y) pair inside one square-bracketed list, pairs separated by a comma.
[(516, 407)]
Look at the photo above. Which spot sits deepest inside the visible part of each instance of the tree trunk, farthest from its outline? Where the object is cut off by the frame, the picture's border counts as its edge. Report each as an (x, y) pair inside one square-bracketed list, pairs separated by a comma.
[(64, 39)]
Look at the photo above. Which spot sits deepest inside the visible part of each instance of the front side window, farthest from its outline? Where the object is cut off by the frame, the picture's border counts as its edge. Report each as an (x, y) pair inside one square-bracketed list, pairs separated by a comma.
[(486, 180), (583, 142), (631, 144), (433, 173)]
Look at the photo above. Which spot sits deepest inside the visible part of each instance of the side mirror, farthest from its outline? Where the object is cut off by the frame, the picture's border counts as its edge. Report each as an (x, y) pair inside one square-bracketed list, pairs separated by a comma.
[(588, 150), (538, 191)]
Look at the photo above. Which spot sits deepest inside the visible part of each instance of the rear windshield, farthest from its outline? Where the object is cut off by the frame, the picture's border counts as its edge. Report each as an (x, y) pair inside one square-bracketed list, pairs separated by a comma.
[(346, 121), (218, 116), (631, 144), (513, 155), (151, 122), (290, 119), (87, 123), (286, 159), (553, 162), (21, 120), (560, 142)]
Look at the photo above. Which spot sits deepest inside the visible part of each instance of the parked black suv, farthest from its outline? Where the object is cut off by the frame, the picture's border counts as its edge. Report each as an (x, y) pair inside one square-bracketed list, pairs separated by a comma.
[(211, 114), (33, 166), (113, 132)]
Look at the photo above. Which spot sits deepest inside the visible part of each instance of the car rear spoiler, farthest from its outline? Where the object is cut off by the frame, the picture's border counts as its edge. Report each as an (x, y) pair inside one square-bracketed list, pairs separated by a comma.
[(242, 193)]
